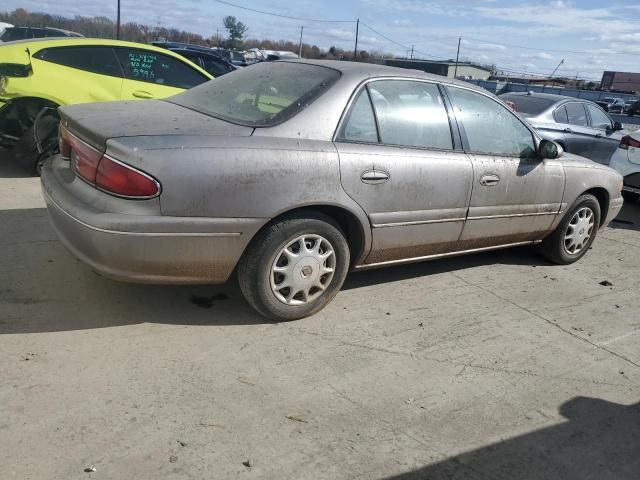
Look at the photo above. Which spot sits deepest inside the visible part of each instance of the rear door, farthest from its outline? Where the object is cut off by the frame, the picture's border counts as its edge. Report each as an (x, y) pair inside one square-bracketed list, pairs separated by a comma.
[(400, 160), (578, 133), (516, 195), (79, 74), (151, 74), (605, 139)]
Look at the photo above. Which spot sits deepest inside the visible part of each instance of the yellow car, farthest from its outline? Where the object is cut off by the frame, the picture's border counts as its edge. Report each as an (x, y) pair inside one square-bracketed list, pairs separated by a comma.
[(37, 76)]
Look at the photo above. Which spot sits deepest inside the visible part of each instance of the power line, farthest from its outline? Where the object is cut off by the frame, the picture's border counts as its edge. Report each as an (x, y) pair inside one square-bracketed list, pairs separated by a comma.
[(282, 16)]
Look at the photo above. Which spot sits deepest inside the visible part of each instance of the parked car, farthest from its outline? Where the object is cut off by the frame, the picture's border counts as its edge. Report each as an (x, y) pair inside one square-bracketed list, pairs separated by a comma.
[(634, 108), (628, 104), (626, 160), (11, 34), (204, 57), (39, 75), (611, 104), (294, 172), (236, 58), (579, 126)]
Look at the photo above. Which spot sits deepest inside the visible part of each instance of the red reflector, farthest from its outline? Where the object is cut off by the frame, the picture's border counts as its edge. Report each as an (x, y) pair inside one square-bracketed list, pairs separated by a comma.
[(63, 142), (118, 178), (628, 141), (85, 159)]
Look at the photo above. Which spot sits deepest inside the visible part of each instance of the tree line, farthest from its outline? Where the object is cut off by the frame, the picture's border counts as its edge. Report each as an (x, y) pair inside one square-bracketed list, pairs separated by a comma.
[(103, 27)]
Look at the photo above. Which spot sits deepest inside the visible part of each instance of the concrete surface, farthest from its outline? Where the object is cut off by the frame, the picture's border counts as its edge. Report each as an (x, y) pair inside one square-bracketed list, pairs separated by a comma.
[(488, 366)]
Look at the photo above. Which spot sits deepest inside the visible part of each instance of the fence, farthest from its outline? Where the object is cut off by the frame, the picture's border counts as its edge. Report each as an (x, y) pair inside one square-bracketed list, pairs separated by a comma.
[(507, 87)]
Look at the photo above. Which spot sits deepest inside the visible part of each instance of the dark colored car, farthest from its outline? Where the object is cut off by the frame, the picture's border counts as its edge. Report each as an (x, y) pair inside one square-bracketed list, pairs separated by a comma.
[(206, 58), (578, 126), (634, 108), (12, 34), (611, 104)]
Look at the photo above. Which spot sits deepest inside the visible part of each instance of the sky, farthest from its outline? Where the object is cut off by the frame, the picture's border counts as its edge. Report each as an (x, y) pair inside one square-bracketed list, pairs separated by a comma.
[(518, 36)]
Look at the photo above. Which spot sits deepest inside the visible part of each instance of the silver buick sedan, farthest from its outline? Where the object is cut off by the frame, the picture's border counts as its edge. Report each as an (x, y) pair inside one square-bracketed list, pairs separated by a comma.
[(293, 173)]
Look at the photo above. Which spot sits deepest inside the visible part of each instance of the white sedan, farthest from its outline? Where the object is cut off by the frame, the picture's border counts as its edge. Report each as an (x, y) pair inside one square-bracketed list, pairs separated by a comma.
[(626, 160)]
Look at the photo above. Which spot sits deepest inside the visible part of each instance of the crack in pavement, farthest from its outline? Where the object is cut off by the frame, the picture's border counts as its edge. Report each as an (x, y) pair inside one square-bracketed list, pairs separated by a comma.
[(550, 322)]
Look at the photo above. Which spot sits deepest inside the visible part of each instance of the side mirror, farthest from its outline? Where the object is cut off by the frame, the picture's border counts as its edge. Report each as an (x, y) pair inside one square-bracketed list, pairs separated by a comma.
[(549, 149), (617, 126)]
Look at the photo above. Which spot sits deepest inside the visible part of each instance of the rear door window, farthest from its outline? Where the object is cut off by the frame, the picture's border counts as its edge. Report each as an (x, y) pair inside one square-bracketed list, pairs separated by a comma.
[(101, 60), (154, 67), (560, 115), (576, 114), (411, 113), (360, 125)]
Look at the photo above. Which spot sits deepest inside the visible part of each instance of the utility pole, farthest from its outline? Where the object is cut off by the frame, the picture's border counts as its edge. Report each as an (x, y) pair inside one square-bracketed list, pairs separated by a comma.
[(412, 47), (355, 50), (118, 23), (300, 47), (553, 83), (455, 71)]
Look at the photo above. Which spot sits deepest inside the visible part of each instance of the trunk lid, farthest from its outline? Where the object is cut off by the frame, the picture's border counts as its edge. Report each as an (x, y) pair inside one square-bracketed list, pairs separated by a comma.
[(98, 122)]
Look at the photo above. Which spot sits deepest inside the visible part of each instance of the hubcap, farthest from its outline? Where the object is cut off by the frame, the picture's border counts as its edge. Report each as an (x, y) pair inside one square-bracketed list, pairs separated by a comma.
[(579, 231), (303, 270)]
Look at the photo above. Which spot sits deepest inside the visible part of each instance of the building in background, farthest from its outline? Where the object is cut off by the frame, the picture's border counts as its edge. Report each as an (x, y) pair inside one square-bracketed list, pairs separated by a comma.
[(466, 70), (620, 81)]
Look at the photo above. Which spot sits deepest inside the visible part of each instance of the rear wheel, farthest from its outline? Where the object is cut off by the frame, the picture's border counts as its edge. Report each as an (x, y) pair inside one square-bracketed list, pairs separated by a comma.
[(575, 233), (294, 267)]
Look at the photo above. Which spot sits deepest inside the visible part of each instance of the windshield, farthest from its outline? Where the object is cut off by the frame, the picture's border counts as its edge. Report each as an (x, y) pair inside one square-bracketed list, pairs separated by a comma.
[(261, 95), (528, 105)]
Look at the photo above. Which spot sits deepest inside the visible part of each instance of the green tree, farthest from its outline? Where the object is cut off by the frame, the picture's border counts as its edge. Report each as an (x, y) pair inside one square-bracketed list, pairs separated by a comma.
[(236, 31)]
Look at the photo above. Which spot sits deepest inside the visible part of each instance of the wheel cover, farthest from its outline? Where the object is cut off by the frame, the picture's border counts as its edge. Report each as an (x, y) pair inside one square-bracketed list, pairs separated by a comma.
[(302, 270), (579, 231)]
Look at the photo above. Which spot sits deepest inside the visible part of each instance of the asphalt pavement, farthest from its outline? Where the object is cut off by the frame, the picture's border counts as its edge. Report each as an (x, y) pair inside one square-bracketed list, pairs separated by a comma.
[(490, 366)]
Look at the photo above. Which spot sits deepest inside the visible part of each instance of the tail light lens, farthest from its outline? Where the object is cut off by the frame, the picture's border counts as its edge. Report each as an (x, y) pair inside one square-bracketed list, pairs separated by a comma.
[(628, 141), (103, 171), (121, 179)]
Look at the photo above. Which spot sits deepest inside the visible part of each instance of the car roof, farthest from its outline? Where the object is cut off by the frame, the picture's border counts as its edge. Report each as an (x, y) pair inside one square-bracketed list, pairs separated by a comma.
[(547, 96), (373, 70)]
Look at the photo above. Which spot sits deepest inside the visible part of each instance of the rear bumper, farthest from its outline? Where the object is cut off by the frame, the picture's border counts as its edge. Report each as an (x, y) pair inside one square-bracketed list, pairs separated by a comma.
[(146, 248)]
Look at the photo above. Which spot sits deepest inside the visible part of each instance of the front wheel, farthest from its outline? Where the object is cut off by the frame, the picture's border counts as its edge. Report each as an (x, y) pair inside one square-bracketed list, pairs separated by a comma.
[(294, 267), (575, 233)]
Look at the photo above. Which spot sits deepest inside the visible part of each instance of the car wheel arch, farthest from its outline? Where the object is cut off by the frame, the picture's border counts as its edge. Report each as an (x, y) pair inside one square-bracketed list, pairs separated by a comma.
[(602, 195), (356, 231)]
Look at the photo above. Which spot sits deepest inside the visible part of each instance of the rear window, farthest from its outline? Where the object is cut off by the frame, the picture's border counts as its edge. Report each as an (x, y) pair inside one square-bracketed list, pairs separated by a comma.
[(528, 105), (261, 95)]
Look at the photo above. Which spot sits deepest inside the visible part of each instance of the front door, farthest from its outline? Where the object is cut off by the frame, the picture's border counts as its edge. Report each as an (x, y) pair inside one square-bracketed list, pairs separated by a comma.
[(516, 195), (577, 133), (400, 162), (150, 74), (605, 140)]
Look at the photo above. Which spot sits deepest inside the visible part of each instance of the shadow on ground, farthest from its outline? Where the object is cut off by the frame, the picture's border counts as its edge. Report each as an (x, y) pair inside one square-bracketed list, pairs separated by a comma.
[(43, 288), (9, 168), (628, 219), (600, 440)]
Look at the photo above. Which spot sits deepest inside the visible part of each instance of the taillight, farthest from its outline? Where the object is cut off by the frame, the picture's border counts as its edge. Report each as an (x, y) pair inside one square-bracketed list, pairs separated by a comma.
[(628, 141), (103, 171), (121, 179)]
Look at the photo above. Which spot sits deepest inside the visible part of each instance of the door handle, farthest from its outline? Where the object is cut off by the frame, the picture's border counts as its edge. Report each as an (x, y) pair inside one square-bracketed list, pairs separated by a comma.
[(374, 177), (567, 130), (489, 180), (142, 94)]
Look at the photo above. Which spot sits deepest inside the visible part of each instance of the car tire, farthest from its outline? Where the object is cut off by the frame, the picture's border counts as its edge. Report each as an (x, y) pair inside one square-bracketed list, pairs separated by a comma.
[(576, 232), (273, 261), (630, 197)]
